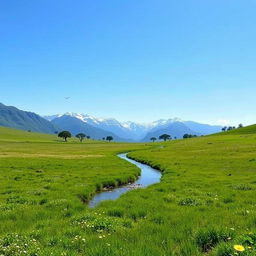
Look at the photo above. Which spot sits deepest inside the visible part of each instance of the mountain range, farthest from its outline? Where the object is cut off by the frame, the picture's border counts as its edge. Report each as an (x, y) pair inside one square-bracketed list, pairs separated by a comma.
[(97, 128), (131, 131)]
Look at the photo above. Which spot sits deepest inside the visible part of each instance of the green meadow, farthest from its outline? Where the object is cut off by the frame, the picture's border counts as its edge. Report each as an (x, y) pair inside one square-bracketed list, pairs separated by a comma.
[(205, 203)]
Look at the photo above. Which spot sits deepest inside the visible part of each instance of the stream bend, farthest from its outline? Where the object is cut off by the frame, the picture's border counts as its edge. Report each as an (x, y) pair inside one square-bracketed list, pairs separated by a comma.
[(147, 177)]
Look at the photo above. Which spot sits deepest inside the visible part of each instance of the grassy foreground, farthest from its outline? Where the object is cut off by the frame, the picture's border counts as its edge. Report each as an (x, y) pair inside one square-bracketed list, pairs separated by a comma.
[(204, 205)]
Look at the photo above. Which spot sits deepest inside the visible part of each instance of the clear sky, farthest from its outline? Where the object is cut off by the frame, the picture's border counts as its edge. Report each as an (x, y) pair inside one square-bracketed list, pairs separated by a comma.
[(137, 60)]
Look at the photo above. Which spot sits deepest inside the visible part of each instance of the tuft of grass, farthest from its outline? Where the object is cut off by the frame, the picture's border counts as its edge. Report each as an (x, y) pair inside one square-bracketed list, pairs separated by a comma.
[(243, 187), (207, 239), (188, 202)]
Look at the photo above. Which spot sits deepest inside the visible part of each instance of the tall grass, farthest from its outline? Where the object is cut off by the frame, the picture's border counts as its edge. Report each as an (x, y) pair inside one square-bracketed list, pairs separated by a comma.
[(204, 204)]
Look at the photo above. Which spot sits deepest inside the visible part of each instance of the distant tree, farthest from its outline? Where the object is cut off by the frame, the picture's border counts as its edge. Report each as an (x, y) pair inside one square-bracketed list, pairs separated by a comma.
[(64, 135), (186, 136), (56, 132), (224, 128), (109, 138), (103, 138), (153, 139), (230, 128), (81, 136), (29, 130), (240, 126), (175, 138), (88, 137), (165, 137)]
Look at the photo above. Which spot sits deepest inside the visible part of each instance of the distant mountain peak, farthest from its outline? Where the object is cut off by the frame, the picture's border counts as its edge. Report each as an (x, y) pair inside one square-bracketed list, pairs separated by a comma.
[(101, 127), (137, 131), (166, 121)]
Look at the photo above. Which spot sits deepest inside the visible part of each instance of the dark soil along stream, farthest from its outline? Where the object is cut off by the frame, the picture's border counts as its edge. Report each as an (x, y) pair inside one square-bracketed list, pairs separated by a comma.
[(148, 177)]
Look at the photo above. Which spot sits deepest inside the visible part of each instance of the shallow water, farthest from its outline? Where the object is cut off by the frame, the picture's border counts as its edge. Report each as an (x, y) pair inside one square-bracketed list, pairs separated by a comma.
[(148, 177)]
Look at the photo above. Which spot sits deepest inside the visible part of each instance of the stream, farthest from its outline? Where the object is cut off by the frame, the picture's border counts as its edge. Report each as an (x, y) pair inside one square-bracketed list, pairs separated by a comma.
[(147, 177)]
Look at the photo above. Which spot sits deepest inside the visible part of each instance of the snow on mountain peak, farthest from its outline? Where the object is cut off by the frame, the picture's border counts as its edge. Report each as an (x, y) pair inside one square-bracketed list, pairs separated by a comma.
[(129, 125), (166, 121)]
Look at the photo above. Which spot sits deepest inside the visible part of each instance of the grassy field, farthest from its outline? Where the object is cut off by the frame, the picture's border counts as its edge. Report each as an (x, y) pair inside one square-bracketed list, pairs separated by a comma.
[(204, 205)]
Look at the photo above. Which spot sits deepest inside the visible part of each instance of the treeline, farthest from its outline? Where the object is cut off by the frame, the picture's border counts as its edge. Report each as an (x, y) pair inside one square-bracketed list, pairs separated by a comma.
[(80, 136), (166, 137), (229, 128)]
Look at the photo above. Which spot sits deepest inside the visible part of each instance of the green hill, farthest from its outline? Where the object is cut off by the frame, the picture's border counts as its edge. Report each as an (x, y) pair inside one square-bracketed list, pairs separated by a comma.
[(251, 129), (19, 119), (204, 204), (11, 134)]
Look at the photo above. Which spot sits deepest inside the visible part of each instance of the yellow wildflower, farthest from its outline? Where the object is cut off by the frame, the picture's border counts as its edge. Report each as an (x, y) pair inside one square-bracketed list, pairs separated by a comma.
[(239, 248)]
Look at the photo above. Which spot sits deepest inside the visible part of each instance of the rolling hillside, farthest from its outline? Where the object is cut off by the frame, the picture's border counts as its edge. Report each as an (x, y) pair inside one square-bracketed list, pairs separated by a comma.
[(12, 134), (244, 130), (49, 182), (15, 118)]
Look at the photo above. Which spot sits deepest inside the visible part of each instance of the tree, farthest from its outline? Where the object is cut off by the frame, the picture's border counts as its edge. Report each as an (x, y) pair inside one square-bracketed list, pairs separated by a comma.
[(240, 126), (109, 138), (175, 138), (224, 128), (64, 135), (165, 137), (81, 136), (186, 136), (103, 138), (88, 137), (153, 139)]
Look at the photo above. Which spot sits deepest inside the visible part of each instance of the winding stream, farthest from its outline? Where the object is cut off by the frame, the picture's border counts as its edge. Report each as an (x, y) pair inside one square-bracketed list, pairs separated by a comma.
[(148, 176)]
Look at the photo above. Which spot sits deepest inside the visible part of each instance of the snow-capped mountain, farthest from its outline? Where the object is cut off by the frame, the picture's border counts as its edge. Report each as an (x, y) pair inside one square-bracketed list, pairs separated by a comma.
[(129, 130), (141, 131), (76, 125), (162, 122), (50, 118)]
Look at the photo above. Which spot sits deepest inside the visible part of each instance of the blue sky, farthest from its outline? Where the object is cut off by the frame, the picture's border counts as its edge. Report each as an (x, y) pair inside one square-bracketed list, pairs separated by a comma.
[(132, 60)]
